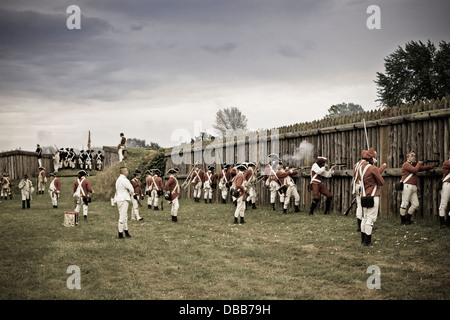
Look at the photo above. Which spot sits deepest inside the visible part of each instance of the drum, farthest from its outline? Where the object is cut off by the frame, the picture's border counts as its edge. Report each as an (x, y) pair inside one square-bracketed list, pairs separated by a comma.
[(70, 218)]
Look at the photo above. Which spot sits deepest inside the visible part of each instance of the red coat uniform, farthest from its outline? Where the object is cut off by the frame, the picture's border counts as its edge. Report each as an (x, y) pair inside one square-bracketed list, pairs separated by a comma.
[(372, 178), (197, 175), (446, 171), (136, 183), (212, 177), (155, 183), (408, 168), (85, 185), (239, 183), (225, 175), (57, 184), (173, 187)]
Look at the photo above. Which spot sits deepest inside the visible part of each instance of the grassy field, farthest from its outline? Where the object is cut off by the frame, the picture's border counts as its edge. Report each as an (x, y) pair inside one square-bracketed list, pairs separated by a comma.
[(205, 256)]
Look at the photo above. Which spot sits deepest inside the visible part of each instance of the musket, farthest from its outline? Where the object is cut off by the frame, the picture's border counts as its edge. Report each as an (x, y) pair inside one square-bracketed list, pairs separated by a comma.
[(189, 177), (350, 207), (337, 164)]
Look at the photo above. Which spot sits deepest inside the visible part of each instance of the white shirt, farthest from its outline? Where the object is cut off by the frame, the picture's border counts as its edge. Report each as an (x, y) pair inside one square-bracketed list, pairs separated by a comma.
[(124, 189), (322, 171)]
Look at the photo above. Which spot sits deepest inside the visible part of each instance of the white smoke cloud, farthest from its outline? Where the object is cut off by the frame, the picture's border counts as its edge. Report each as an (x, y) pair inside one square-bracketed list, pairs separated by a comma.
[(302, 155)]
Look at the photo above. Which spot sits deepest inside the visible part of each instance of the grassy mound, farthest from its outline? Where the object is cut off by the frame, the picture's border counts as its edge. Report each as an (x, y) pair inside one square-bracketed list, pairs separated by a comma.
[(136, 158)]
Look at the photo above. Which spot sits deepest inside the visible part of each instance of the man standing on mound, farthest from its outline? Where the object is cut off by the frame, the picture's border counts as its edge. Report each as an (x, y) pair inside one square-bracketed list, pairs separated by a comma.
[(124, 191)]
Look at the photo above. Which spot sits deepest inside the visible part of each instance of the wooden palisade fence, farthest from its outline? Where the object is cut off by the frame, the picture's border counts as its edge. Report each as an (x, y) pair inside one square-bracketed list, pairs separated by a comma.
[(392, 132)]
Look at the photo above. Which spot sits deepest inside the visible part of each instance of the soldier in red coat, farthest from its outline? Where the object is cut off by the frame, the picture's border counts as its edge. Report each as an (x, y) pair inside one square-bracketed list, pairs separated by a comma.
[(197, 182), (156, 187), (137, 196), (240, 190), (445, 193), (82, 189), (224, 181), (6, 187), (209, 184), (172, 189), (409, 178), (371, 181), (320, 170), (54, 189)]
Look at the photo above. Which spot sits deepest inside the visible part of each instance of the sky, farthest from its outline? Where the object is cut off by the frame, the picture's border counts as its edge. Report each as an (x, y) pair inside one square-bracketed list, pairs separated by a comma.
[(159, 70)]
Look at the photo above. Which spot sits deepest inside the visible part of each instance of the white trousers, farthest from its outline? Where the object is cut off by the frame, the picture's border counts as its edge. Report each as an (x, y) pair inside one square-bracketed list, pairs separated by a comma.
[(120, 152), (409, 195), (80, 204), (54, 198), (207, 193), (273, 187), (223, 189), (175, 207), (370, 216), (135, 209), (251, 194), (198, 190), (123, 215), (445, 197), (240, 208), (291, 192), (153, 198)]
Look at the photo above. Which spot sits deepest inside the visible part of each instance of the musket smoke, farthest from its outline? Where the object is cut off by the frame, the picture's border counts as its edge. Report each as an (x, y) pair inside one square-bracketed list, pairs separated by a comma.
[(302, 155)]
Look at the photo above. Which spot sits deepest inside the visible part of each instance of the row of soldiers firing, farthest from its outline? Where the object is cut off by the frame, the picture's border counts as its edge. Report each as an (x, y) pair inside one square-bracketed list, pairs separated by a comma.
[(280, 180)]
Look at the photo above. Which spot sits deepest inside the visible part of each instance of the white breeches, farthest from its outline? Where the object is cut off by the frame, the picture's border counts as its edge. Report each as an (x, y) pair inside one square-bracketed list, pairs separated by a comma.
[(175, 207), (291, 192), (251, 194), (409, 195), (445, 198), (198, 189), (240, 208), (370, 216), (135, 209)]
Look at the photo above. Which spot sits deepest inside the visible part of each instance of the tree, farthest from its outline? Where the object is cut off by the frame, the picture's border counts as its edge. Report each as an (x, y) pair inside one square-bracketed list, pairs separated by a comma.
[(343, 109), (415, 73), (230, 121)]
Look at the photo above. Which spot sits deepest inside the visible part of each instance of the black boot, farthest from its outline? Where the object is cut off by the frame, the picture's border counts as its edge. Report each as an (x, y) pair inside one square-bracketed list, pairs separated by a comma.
[(447, 222), (235, 220), (363, 238), (408, 219), (368, 241), (313, 206), (149, 206), (442, 222), (120, 235), (23, 204), (28, 203), (328, 205), (403, 219), (358, 222), (253, 206), (296, 209), (284, 210), (206, 200), (174, 219), (210, 200), (155, 208), (242, 220), (127, 234), (273, 206), (224, 201)]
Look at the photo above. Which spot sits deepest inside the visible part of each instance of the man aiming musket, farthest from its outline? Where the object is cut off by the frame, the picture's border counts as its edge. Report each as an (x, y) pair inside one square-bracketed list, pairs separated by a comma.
[(319, 170)]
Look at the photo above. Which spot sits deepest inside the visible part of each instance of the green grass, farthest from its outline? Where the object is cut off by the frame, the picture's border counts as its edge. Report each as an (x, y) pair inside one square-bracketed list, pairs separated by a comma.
[(205, 256)]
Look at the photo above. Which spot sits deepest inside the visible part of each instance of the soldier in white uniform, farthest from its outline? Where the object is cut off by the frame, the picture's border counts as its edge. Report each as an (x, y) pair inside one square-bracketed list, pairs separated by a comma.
[(26, 188), (122, 197)]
